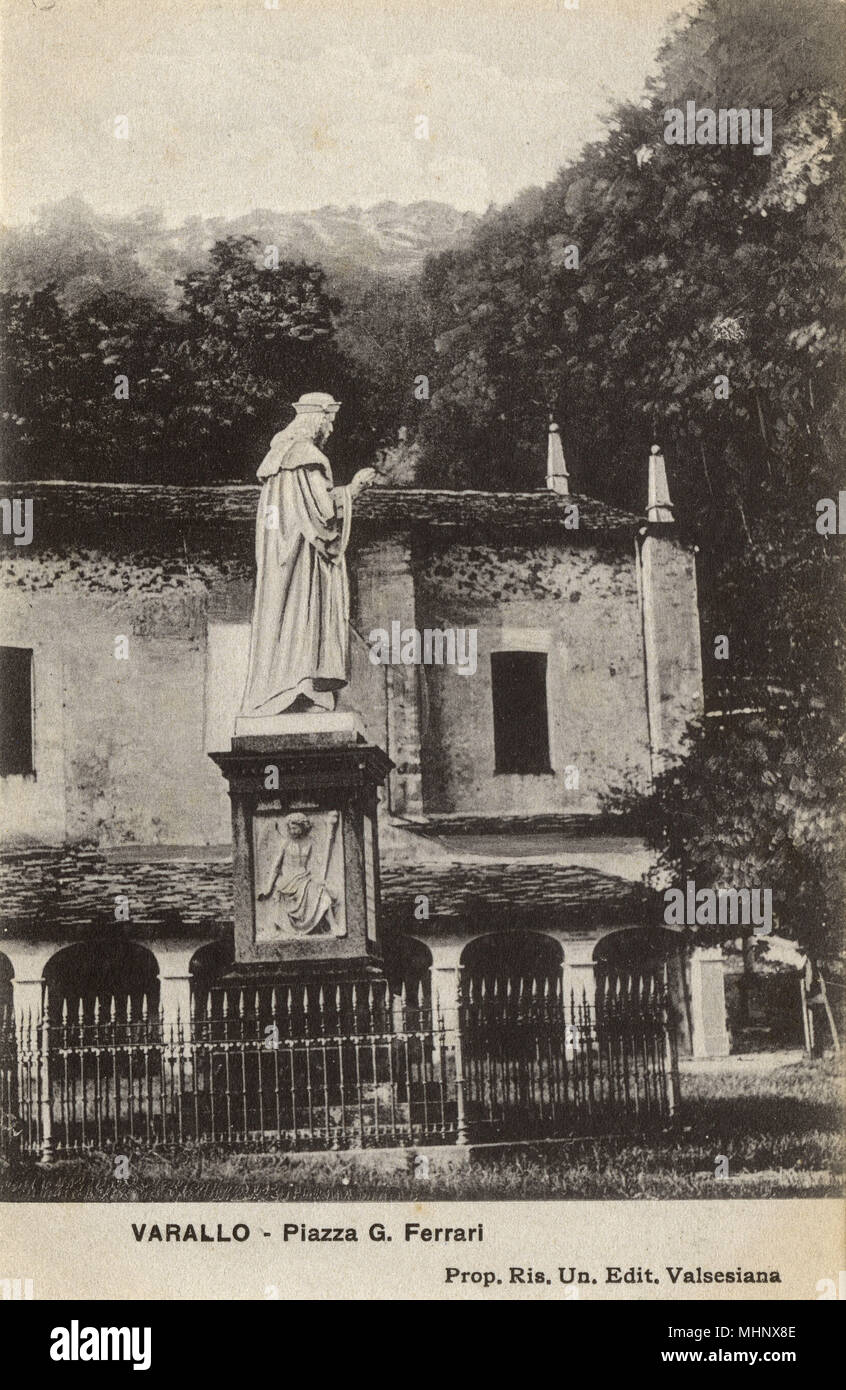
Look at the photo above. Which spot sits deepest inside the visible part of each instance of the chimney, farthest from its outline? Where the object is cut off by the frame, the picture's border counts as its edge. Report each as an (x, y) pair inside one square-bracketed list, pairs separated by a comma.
[(557, 477), (659, 507)]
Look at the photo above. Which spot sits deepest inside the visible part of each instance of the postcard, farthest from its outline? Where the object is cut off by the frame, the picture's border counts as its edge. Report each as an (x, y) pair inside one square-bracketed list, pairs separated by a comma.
[(422, 654)]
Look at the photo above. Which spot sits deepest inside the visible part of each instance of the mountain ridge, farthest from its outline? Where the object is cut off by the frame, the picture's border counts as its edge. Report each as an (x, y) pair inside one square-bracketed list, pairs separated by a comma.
[(84, 252)]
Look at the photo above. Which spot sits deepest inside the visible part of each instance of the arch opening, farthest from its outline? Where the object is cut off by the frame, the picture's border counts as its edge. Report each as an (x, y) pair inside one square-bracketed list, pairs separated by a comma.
[(515, 962), (93, 983)]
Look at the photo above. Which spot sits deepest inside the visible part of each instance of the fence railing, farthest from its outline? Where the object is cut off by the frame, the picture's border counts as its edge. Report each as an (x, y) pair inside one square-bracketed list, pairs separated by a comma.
[(335, 1067), (540, 1064)]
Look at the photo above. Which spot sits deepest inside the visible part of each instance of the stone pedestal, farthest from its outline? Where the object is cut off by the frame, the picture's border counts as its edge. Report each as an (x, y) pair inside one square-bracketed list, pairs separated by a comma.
[(305, 845)]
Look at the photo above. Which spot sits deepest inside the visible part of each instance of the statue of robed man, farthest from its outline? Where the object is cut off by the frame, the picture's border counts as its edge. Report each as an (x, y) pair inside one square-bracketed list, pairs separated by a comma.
[(298, 638)]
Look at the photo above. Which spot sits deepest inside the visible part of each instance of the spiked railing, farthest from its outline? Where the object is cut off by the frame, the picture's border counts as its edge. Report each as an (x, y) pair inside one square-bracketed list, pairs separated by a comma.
[(301, 1065), (537, 1063)]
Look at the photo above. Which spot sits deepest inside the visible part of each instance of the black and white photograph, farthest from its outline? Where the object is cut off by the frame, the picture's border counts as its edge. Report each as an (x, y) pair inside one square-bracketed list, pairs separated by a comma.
[(422, 647)]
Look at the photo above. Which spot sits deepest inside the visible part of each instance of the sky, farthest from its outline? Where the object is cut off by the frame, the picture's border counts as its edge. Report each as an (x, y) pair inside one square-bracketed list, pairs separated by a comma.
[(233, 104)]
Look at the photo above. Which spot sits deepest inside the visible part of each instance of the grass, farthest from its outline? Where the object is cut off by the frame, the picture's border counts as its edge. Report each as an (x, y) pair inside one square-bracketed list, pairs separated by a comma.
[(781, 1132)]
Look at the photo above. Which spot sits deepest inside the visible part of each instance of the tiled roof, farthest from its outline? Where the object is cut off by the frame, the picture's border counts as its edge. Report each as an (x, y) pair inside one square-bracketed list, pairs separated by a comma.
[(461, 889), (388, 508), (564, 824), (130, 518), (68, 890), (65, 891)]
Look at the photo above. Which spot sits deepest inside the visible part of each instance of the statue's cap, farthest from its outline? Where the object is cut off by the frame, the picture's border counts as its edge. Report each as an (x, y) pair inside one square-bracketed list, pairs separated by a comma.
[(316, 400)]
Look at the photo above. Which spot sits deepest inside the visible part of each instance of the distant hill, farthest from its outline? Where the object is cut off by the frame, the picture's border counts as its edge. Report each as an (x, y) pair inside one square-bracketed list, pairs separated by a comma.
[(391, 238), (84, 251)]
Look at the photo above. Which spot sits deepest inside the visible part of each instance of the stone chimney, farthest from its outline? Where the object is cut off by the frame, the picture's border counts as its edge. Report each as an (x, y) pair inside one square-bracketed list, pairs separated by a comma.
[(670, 620), (557, 477)]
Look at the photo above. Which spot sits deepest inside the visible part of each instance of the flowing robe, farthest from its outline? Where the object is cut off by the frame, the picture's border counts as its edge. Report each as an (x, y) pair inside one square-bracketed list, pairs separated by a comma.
[(298, 638), (303, 899)]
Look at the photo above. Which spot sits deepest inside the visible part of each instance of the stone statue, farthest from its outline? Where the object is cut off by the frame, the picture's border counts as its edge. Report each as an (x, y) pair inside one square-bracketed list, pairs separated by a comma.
[(298, 638), (302, 902)]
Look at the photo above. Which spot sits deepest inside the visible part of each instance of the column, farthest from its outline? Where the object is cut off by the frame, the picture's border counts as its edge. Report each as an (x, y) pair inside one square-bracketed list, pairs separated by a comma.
[(578, 972), (578, 989), (445, 974), (32, 1025), (174, 961), (27, 997), (175, 1001), (708, 1003)]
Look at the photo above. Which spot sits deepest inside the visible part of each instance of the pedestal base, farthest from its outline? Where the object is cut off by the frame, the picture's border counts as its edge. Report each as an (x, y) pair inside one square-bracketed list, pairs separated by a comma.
[(332, 970), (306, 857), (342, 726)]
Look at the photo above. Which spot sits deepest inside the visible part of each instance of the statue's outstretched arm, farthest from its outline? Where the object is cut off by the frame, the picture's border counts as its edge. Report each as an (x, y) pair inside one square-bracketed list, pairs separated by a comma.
[(276, 872)]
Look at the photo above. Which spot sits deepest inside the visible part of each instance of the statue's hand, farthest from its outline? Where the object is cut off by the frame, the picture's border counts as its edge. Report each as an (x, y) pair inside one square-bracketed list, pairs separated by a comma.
[(363, 478)]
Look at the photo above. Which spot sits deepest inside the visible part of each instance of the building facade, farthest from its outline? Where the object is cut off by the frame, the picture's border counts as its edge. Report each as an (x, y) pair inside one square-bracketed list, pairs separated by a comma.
[(556, 659)]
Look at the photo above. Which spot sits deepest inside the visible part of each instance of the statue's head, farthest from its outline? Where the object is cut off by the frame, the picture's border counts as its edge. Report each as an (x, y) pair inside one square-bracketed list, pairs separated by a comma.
[(297, 825), (318, 410)]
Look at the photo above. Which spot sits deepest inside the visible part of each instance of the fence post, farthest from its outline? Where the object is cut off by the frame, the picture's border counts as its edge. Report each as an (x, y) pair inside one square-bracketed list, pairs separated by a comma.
[(671, 1057), (460, 1114), (44, 1084)]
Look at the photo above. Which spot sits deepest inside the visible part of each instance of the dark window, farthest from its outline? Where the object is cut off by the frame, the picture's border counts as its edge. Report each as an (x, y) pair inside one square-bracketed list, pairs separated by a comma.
[(15, 711), (521, 724)]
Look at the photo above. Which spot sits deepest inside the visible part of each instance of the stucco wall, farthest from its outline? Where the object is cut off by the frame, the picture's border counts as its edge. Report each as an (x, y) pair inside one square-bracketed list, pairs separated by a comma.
[(119, 754), (121, 745), (581, 606)]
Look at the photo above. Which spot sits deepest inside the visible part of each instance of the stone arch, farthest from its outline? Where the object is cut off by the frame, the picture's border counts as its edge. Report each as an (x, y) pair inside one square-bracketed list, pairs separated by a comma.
[(207, 965), (102, 1000), (509, 1008), (645, 960), (518, 958), (100, 974), (637, 956), (408, 967), (639, 950)]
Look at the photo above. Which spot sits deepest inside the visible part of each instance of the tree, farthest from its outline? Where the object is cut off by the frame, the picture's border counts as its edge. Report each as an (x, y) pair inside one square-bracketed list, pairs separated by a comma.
[(254, 338), (757, 802), (121, 388)]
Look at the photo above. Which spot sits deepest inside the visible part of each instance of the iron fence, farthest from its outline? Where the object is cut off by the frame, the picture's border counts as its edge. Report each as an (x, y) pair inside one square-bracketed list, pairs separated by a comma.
[(537, 1063), (301, 1066)]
